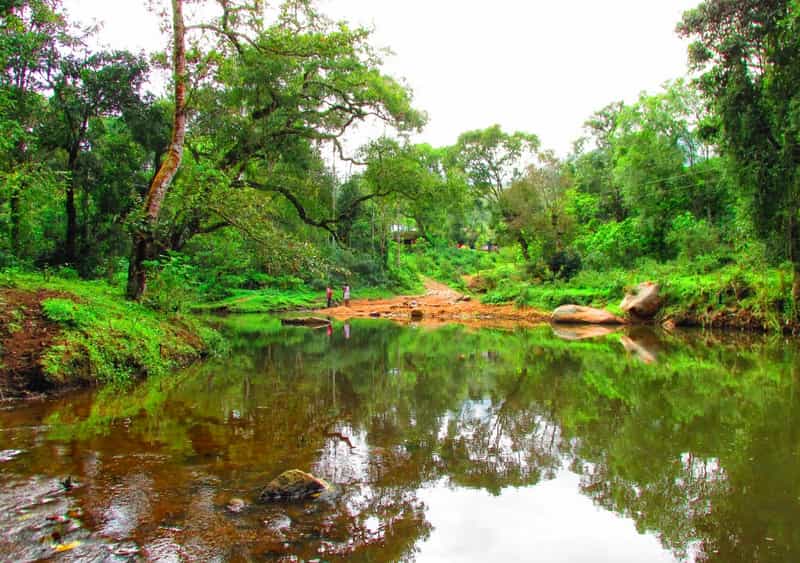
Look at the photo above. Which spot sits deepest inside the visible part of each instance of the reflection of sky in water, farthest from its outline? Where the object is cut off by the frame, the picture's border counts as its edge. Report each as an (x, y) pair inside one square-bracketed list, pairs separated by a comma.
[(128, 502), (340, 463), (552, 522)]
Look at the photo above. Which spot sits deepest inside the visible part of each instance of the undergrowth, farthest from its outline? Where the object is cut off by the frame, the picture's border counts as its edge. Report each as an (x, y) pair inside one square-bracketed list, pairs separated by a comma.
[(744, 295), (108, 339)]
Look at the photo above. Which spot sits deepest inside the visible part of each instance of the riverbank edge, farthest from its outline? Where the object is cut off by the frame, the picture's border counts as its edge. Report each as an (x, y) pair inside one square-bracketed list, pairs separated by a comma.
[(57, 335), (708, 302)]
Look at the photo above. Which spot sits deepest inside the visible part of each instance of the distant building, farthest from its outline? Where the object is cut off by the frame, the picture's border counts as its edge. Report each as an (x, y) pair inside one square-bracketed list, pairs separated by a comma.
[(404, 234)]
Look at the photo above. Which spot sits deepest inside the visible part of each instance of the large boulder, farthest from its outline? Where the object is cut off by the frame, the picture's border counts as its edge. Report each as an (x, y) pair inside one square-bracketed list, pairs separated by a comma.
[(643, 301), (293, 485), (584, 315)]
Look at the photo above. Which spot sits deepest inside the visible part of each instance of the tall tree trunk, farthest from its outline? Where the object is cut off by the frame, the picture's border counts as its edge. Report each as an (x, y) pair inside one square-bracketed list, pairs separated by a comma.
[(524, 245), (70, 242), (15, 216), (143, 237), (794, 255), (72, 226)]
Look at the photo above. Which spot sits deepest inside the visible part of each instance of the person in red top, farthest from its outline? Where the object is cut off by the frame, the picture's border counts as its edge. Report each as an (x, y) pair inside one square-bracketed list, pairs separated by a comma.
[(329, 296)]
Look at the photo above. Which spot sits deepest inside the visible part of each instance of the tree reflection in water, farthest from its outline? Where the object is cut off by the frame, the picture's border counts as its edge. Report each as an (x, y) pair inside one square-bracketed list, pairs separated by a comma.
[(692, 437)]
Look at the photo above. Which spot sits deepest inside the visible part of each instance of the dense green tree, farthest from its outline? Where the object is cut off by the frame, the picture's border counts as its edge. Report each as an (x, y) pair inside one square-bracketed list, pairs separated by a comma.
[(748, 54), (643, 167), (593, 162), (492, 158), (31, 34), (303, 83), (267, 99), (425, 189), (144, 232), (86, 88), (534, 208)]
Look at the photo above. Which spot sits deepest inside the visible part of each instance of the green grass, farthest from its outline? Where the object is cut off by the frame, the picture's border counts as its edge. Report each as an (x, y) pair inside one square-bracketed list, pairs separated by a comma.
[(264, 301), (106, 338), (449, 265), (750, 296), (273, 300)]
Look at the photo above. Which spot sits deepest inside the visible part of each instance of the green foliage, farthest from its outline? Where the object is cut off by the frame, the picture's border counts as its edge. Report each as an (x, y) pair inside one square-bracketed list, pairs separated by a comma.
[(449, 264), (69, 313), (692, 238), (492, 158), (172, 283), (259, 218), (706, 290), (748, 54), (264, 301), (613, 244), (107, 339)]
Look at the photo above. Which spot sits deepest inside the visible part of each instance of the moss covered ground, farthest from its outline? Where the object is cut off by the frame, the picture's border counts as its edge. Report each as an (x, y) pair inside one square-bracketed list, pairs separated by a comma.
[(69, 332)]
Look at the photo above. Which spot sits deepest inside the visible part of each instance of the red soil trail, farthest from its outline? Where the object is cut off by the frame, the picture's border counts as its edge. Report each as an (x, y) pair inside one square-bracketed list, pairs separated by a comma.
[(439, 304), (25, 334)]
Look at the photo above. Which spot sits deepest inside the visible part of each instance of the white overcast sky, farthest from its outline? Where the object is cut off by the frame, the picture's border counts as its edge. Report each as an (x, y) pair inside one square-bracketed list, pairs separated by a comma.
[(541, 66)]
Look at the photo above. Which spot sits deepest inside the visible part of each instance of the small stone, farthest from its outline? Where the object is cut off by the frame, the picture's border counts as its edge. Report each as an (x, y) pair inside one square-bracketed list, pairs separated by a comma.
[(236, 505)]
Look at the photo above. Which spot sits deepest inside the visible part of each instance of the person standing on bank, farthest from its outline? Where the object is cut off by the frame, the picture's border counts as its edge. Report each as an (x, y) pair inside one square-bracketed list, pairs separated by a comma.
[(329, 296), (346, 296)]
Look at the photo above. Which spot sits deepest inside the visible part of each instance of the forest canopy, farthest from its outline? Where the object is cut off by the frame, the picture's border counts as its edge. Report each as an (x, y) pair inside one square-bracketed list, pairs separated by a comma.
[(244, 175)]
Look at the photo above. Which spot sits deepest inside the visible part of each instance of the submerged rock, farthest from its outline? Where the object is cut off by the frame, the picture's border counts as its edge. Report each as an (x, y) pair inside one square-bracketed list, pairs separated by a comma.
[(416, 314), (293, 485), (236, 505), (643, 301), (586, 315), (313, 322)]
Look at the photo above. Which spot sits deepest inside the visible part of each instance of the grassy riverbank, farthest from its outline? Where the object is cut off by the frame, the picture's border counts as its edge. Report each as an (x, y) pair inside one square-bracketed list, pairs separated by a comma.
[(58, 333), (740, 296), (273, 300)]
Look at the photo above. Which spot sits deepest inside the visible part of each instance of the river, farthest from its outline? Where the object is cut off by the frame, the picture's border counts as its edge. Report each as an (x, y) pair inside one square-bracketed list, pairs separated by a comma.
[(445, 444)]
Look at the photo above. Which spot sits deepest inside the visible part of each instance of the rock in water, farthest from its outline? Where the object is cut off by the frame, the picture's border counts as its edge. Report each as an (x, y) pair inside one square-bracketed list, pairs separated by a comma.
[(416, 314), (586, 315), (293, 485), (236, 505), (643, 301)]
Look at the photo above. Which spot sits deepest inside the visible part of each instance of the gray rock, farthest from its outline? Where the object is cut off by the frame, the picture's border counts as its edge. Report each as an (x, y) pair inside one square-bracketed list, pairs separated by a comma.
[(584, 315), (643, 301)]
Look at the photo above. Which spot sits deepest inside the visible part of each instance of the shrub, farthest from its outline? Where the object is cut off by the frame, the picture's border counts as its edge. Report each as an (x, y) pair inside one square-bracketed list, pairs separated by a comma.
[(67, 312), (690, 237), (614, 244)]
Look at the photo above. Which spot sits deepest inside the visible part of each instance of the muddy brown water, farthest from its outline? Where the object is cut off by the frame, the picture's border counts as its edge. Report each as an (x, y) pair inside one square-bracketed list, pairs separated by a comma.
[(445, 444)]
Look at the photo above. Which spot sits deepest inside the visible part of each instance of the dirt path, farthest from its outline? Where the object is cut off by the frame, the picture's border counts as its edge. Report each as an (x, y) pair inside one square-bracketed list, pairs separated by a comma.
[(25, 334), (438, 305)]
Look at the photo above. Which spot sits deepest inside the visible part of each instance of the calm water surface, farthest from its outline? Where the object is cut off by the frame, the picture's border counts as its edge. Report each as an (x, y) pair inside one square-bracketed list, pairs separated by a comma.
[(443, 445)]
